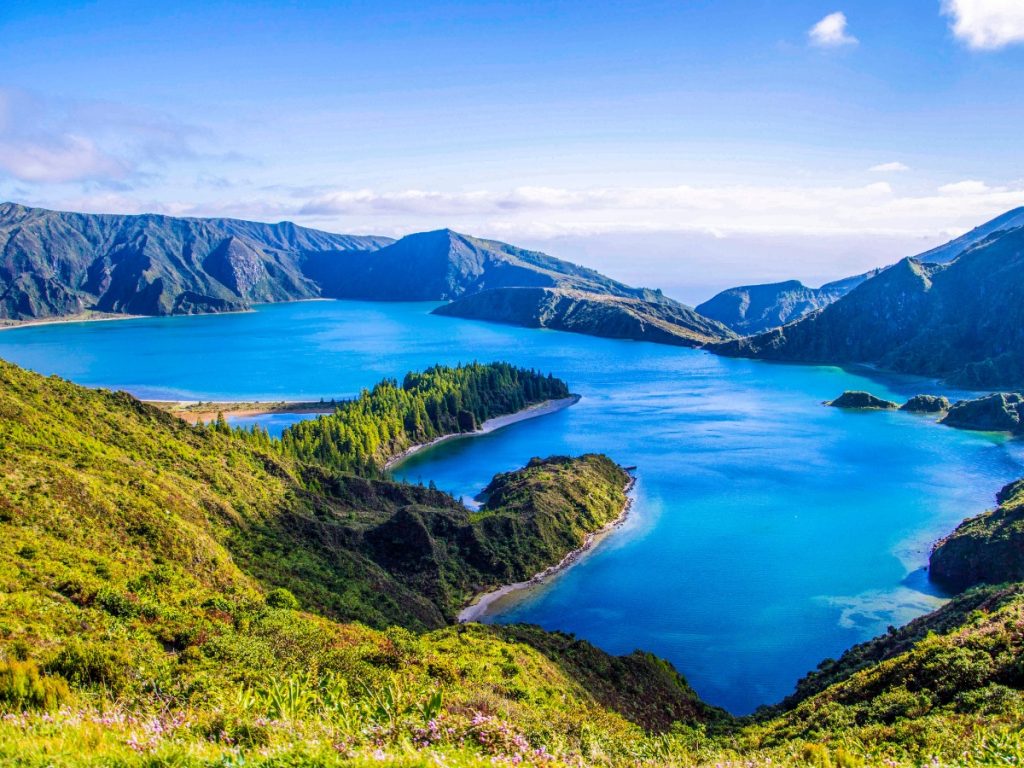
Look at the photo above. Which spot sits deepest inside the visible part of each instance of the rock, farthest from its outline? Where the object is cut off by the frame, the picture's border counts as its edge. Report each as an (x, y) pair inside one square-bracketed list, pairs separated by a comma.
[(856, 399), (999, 412), (926, 404)]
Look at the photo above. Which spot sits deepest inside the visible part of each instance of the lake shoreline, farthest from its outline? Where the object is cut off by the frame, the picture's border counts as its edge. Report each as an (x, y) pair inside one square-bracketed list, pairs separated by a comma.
[(81, 317), (529, 412), (192, 411), (481, 603)]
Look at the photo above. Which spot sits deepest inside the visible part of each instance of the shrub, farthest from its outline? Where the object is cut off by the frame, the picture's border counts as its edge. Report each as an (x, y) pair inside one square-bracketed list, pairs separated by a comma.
[(846, 759), (116, 603), (816, 755), (282, 598), (89, 663), (23, 687)]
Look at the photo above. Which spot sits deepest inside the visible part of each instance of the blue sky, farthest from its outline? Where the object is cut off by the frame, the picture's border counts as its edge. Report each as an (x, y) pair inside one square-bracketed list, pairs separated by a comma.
[(688, 144)]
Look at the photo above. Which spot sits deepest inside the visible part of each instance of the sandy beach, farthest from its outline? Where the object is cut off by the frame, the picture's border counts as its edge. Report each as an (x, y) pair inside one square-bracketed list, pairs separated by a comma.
[(482, 603), (530, 412), (193, 411), (85, 317)]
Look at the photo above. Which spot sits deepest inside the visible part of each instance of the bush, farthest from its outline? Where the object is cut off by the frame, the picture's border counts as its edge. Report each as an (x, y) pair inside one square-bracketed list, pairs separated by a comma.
[(23, 687), (816, 755), (87, 663), (116, 603), (282, 598)]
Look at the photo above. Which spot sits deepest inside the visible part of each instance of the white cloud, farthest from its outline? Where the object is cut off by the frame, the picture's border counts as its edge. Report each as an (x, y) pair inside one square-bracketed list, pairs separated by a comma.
[(895, 167), (967, 187), (724, 211), (59, 159), (830, 32), (61, 141), (986, 25)]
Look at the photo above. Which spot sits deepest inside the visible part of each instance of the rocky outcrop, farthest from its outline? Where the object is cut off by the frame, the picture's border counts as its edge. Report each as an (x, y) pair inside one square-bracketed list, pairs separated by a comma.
[(987, 549), (999, 412), (618, 317), (926, 404), (865, 400), (962, 321)]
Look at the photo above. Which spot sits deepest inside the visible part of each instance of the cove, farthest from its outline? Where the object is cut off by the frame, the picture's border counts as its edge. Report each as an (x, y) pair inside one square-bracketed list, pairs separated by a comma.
[(768, 532)]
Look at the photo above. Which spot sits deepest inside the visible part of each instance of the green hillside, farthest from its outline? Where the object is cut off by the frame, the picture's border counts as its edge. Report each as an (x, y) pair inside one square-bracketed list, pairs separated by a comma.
[(960, 320), (182, 596)]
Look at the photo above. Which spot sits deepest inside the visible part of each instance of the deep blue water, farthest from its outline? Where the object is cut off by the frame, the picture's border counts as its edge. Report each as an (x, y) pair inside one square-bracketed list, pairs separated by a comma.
[(768, 531)]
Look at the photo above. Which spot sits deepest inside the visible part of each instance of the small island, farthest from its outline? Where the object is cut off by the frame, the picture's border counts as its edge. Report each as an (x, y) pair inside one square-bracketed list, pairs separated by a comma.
[(854, 399)]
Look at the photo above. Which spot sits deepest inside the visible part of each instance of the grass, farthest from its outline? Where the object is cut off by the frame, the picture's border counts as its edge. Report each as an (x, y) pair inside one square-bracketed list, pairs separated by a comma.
[(182, 596)]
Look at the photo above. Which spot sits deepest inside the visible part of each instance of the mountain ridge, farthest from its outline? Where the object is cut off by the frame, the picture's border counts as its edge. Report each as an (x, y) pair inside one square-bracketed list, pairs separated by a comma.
[(56, 264), (754, 309), (962, 321), (609, 316), (749, 309)]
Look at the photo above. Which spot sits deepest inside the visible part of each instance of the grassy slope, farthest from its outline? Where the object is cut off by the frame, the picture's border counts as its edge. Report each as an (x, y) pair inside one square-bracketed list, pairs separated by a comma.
[(947, 685), (126, 596), (139, 563)]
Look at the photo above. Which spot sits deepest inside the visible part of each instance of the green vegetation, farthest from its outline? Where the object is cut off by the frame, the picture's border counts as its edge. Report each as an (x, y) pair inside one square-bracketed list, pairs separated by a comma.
[(151, 571), (363, 434), (948, 685), (182, 596), (987, 549)]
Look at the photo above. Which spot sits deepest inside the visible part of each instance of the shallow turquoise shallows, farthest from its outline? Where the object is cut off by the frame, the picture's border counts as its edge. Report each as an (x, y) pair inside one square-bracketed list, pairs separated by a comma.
[(768, 532)]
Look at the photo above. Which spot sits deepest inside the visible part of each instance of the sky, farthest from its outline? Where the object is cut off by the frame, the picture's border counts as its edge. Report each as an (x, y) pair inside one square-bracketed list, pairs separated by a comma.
[(689, 145)]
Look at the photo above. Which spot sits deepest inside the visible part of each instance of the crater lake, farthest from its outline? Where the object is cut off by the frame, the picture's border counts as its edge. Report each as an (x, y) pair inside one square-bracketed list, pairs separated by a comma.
[(767, 531)]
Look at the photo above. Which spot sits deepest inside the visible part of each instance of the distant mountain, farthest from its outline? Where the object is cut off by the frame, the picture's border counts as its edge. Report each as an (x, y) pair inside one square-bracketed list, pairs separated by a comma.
[(962, 321), (56, 263), (444, 265), (596, 314), (750, 309), (59, 264)]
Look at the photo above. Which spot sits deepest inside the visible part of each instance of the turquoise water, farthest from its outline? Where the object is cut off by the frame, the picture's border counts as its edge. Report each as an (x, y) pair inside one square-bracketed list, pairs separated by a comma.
[(768, 531)]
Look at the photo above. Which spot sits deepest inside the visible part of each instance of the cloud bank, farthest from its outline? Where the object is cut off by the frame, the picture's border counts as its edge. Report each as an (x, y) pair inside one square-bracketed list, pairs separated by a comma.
[(896, 167), (986, 25)]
